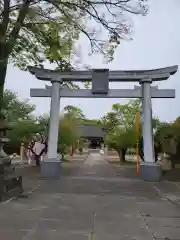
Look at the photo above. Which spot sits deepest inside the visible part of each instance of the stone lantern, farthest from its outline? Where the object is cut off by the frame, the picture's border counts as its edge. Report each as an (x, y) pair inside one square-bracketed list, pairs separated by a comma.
[(5, 161), (10, 181)]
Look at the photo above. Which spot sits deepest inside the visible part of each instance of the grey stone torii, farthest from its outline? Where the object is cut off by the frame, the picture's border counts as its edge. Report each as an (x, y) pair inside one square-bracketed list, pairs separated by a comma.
[(100, 78)]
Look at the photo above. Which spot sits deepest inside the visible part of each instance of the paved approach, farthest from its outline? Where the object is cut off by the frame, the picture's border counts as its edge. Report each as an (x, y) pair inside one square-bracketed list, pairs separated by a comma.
[(94, 201)]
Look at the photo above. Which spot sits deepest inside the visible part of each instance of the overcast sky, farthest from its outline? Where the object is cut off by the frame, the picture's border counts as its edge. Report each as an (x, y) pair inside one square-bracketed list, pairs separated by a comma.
[(156, 44)]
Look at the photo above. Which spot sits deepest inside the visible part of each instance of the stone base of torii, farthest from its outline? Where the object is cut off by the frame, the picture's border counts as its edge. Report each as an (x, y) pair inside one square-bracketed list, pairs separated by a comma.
[(149, 170)]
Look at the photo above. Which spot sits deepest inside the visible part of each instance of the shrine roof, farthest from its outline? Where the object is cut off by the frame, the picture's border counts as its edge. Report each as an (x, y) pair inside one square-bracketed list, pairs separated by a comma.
[(90, 130)]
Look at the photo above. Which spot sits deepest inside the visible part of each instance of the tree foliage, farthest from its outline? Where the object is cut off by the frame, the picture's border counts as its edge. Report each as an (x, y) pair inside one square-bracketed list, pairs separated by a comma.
[(14, 108), (68, 135), (74, 112), (22, 131), (121, 116), (24, 125), (120, 124), (33, 31), (33, 28), (121, 138), (166, 132)]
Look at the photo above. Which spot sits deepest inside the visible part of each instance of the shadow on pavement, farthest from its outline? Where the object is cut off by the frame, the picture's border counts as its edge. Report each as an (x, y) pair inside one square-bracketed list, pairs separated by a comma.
[(172, 175)]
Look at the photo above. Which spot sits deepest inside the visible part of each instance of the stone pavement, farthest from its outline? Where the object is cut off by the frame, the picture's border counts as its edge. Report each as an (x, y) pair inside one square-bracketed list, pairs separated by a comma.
[(94, 202)]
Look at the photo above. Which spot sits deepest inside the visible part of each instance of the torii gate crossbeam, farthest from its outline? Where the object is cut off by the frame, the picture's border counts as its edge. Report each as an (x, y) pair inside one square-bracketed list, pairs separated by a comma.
[(112, 93)]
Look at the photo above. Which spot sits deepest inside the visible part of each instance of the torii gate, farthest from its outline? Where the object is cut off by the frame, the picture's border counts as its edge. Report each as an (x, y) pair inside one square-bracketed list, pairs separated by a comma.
[(100, 78)]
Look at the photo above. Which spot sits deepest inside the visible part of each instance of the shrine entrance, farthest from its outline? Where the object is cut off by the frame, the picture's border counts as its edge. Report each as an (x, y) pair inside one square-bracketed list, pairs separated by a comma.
[(149, 170), (94, 143), (94, 134)]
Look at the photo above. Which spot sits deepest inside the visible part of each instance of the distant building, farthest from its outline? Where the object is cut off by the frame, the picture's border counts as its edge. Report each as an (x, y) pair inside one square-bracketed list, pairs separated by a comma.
[(93, 133)]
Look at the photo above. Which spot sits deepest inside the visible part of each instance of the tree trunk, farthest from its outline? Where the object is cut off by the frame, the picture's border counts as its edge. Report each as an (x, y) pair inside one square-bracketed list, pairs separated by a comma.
[(3, 70), (73, 150), (121, 153), (173, 165), (37, 159)]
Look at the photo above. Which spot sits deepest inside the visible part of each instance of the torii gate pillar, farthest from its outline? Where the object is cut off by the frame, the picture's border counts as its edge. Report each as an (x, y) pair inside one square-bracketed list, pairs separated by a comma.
[(51, 167), (149, 170)]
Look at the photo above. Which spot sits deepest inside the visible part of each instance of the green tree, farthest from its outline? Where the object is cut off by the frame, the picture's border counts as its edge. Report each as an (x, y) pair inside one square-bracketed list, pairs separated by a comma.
[(76, 112), (121, 139), (28, 132), (24, 125), (168, 136), (164, 130), (68, 135), (120, 124), (20, 115), (14, 108), (33, 31), (22, 131), (110, 121)]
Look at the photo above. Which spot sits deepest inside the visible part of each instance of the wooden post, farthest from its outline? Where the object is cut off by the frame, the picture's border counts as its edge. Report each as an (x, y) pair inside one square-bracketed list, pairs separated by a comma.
[(21, 152)]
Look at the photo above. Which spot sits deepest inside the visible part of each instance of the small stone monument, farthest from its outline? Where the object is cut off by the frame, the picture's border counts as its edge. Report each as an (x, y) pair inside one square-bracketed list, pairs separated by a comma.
[(5, 161), (10, 181)]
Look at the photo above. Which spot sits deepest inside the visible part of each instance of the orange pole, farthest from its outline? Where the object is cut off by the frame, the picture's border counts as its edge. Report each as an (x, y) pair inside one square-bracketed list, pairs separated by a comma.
[(137, 123)]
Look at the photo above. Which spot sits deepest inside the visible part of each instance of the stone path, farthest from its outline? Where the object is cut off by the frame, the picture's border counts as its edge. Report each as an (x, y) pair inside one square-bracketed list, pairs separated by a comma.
[(94, 201)]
